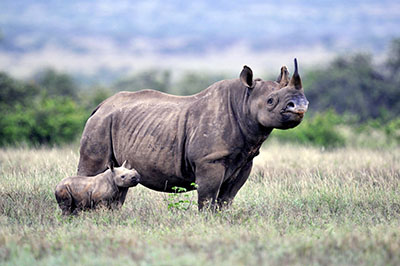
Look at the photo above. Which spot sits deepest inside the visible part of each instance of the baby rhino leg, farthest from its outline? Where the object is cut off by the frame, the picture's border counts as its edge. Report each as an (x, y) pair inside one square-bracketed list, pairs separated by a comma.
[(65, 201)]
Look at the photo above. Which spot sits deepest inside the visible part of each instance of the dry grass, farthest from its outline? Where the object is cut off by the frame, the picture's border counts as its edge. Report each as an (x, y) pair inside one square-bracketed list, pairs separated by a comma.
[(301, 206)]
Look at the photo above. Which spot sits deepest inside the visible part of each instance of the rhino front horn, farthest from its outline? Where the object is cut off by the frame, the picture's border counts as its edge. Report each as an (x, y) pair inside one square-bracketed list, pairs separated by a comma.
[(296, 80)]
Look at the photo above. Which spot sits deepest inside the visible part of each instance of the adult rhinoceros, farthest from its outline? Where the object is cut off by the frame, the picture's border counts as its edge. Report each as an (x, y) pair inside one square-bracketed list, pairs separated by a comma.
[(209, 138)]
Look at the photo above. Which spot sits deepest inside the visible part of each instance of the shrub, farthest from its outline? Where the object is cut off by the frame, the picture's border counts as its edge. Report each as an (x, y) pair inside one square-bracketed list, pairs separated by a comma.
[(320, 130), (353, 84), (47, 121), (392, 130)]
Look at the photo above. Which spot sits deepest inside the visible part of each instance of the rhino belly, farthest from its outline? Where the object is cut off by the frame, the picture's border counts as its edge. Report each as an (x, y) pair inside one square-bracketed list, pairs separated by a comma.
[(153, 141)]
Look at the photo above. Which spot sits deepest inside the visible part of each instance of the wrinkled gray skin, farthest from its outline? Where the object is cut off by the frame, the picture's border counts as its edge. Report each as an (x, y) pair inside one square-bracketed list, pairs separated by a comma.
[(87, 192), (209, 138)]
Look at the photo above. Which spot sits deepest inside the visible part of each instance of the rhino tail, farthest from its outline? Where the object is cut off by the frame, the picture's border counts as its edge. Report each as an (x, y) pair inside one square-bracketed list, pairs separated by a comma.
[(111, 156)]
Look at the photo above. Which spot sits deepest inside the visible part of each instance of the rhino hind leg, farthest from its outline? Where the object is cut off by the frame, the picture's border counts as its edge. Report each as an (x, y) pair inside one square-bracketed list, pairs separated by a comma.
[(96, 149)]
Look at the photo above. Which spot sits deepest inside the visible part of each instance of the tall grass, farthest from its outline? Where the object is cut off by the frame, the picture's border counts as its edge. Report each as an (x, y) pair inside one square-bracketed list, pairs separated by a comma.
[(300, 206)]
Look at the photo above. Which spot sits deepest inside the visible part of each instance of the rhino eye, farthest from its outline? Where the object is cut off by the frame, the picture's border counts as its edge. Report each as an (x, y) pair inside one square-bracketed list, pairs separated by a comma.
[(122, 176), (270, 101)]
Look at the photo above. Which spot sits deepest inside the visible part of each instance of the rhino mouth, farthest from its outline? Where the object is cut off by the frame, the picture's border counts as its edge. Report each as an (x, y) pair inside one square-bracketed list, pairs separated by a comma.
[(298, 113), (287, 114)]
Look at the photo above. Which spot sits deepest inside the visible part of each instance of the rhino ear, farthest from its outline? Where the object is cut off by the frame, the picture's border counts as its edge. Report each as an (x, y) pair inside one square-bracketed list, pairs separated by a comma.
[(111, 166), (124, 164), (296, 80), (283, 78), (246, 77)]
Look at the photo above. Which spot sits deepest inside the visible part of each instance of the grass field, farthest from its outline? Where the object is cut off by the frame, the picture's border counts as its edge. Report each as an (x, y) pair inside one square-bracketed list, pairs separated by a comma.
[(300, 206)]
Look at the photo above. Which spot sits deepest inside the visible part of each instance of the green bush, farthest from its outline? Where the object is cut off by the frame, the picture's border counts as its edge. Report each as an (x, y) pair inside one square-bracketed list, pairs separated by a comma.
[(48, 121), (392, 130), (353, 84), (41, 112), (56, 84), (389, 129), (13, 91), (319, 130)]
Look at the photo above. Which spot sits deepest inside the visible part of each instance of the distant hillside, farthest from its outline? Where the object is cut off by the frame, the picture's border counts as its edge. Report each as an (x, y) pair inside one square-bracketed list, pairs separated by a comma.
[(124, 35)]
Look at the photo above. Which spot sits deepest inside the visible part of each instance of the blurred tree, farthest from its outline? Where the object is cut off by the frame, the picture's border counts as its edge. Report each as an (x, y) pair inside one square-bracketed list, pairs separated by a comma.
[(29, 115), (13, 91), (48, 121), (352, 85), (192, 82), (393, 59), (94, 96), (56, 84), (151, 79)]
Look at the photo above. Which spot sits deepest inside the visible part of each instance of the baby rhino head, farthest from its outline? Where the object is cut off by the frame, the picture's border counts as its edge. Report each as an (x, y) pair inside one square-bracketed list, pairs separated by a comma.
[(124, 177)]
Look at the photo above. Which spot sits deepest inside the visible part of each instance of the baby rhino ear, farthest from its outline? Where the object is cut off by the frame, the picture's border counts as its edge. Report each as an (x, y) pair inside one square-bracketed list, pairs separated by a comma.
[(111, 166), (124, 164)]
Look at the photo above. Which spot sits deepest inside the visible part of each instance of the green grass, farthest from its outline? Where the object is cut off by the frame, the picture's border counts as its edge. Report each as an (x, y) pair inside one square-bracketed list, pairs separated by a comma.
[(300, 206)]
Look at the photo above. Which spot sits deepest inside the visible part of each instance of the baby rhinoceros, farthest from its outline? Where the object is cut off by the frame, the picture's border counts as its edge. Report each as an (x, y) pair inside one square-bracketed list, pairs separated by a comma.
[(87, 192)]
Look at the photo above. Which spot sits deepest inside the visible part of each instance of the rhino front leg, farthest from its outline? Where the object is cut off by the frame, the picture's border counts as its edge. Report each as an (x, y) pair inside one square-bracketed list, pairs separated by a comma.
[(209, 177), (230, 187), (120, 199)]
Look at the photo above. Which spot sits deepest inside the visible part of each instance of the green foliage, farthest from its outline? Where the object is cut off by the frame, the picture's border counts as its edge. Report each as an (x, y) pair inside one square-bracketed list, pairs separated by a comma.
[(90, 99), (151, 79), (390, 129), (393, 59), (320, 130), (352, 84), (189, 83), (192, 83), (176, 201), (54, 84), (48, 121), (13, 91), (36, 118)]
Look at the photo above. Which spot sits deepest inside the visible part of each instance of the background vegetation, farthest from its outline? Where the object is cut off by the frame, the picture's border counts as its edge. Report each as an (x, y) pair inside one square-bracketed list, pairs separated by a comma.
[(350, 96)]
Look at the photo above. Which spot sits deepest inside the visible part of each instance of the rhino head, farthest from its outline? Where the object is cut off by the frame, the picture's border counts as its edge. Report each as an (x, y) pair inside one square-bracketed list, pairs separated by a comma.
[(124, 177), (276, 104)]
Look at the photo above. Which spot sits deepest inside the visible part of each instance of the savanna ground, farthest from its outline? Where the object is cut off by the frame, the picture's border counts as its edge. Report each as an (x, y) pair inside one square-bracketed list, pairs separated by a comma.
[(301, 206)]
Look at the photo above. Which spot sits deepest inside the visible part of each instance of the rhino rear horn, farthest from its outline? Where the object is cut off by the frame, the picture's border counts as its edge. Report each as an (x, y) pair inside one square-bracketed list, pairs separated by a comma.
[(246, 77), (296, 80), (283, 78)]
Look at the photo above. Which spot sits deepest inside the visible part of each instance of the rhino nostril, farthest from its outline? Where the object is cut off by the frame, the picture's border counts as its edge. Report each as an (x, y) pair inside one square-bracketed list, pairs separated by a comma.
[(290, 105)]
